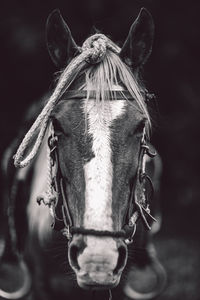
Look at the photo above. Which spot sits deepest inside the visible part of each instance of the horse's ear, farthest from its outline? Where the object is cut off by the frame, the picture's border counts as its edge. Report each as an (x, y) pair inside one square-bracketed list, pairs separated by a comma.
[(138, 45), (60, 43)]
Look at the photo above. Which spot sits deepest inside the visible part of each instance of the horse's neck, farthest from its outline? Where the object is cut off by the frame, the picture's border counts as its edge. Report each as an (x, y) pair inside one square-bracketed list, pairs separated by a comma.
[(39, 219)]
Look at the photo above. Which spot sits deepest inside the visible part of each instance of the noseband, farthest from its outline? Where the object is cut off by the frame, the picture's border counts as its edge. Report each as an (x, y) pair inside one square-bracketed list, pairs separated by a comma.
[(138, 206)]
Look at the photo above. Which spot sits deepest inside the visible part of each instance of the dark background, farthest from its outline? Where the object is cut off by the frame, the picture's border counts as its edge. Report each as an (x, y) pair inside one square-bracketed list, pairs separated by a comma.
[(172, 73)]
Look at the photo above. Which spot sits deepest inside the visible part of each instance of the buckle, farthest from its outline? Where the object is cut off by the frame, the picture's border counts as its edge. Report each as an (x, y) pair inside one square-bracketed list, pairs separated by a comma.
[(129, 240)]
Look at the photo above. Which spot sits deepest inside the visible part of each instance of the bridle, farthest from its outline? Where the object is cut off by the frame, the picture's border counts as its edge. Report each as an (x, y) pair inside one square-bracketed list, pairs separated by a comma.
[(138, 206)]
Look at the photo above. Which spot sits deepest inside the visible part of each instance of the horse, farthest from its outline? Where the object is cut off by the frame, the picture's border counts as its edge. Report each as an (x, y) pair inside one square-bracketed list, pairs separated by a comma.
[(81, 186)]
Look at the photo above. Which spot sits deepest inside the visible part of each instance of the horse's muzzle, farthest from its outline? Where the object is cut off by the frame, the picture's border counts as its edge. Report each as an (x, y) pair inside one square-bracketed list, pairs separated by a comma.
[(97, 261)]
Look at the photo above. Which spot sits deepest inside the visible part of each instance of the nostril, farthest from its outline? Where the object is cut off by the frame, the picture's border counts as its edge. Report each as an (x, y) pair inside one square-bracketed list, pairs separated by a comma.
[(122, 258), (73, 256), (76, 247)]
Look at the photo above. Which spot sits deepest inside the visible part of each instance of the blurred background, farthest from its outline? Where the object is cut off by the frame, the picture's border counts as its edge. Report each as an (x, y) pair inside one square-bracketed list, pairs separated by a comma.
[(172, 72)]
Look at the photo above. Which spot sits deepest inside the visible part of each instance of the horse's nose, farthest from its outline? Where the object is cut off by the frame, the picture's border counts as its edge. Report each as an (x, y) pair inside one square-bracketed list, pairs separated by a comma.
[(93, 254)]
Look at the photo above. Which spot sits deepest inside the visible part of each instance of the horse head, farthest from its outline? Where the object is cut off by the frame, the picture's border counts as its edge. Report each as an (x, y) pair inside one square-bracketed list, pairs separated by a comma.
[(99, 120)]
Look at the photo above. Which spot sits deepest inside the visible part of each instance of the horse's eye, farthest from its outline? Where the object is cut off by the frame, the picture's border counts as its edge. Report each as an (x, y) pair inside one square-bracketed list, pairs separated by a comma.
[(137, 130), (57, 127)]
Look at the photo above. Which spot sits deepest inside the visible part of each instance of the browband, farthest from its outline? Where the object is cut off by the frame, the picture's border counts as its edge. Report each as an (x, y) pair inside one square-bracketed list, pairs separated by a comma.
[(113, 95), (82, 94)]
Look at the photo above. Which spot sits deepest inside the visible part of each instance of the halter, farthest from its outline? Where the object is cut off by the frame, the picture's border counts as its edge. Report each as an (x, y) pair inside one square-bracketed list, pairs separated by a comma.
[(138, 206)]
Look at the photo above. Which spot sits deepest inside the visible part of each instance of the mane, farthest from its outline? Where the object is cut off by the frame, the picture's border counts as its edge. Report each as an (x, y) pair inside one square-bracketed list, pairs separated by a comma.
[(110, 72)]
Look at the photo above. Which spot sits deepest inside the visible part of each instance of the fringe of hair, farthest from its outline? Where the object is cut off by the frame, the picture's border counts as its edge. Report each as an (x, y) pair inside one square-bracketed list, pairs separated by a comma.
[(101, 77)]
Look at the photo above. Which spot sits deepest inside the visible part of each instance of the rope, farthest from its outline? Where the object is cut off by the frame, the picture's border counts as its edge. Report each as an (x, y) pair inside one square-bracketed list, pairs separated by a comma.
[(48, 197), (92, 51), (98, 43), (110, 295), (83, 231)]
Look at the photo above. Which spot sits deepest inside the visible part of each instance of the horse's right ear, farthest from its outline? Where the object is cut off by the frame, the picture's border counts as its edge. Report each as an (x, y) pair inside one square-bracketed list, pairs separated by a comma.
[(60, 43)]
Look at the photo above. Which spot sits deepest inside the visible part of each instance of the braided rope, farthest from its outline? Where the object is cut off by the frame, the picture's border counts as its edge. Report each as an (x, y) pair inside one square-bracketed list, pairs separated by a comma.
[(49, 197), (92, 51), (98, 43), (49, 192)]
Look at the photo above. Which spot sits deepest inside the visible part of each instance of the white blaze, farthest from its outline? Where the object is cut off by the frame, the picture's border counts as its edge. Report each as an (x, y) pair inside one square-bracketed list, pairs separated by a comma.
[(99, 170)]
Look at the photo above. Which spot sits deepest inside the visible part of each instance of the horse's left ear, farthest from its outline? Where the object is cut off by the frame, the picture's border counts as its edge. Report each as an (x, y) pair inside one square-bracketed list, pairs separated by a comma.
[(138, 45), (60, 43)]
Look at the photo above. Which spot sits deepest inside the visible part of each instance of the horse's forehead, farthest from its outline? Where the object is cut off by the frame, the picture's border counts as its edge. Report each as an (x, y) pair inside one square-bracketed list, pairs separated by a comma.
[(117, 113), (69, 111)]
